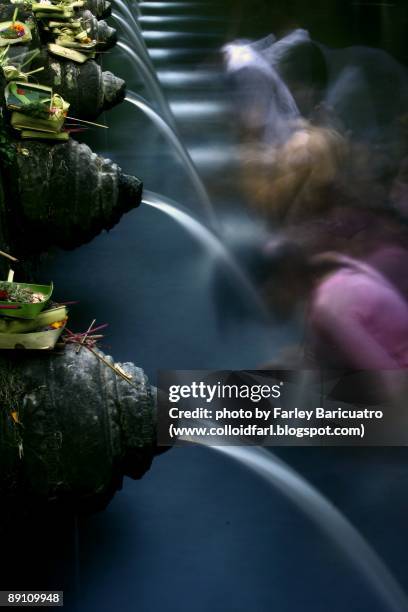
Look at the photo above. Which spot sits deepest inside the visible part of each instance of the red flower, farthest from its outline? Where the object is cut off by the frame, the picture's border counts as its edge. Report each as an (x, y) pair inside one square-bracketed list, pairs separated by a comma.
[(18, 28)]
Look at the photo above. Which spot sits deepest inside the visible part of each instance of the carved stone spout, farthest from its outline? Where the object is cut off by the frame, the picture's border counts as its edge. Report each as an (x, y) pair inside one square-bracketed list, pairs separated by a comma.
[(64, 195), (72, 428)]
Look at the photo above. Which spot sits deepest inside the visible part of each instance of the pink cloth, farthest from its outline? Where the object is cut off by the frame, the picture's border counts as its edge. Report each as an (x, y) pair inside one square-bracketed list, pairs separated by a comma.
[(359, 319)]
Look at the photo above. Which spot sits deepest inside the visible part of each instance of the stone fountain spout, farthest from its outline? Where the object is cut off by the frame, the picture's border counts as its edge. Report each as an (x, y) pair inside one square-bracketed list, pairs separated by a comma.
[(82, 426), (64, 195)]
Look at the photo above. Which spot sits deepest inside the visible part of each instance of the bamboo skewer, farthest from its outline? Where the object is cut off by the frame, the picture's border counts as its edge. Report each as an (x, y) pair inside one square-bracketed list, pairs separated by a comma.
[(8, 256), (34, 71), (87, 122)]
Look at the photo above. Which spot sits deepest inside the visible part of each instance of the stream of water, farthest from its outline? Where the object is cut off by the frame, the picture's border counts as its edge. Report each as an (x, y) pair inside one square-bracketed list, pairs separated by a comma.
[(327, 518), (180, 149), (214, 248)]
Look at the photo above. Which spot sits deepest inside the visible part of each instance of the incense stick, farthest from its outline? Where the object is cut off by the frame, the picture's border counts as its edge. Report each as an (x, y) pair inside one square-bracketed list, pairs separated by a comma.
[(87, 122), (85, 336), (8, 256), (34, 71)]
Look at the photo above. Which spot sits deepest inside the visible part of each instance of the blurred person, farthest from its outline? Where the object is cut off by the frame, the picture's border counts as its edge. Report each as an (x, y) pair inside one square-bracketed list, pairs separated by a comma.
[(289, 164), (320, 127), (296, 180), (302, 65), (266, 110), (355, 317), (352, 228), (368, 90), (358, 318)]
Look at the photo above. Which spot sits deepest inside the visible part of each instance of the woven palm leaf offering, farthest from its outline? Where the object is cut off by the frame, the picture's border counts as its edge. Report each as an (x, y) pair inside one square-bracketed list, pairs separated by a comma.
[(72, 40), (36, 111), (68, 32), (15, 73), (14, 69), (47, 10), (69, 54), (12, 32), (23, 300), (40, 333), (28, 319)]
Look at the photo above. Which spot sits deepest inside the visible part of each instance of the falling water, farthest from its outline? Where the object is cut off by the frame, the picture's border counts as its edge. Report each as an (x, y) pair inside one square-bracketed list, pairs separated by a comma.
[(134, 35), (168, 5), (326, 516), (134, 7), (212, 244), (151, 82), (145, 65), (169, 19), (126, 12), (172, 137)]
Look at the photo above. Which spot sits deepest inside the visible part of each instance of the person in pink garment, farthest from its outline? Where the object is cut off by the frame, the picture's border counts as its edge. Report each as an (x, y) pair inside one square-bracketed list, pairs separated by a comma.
[(355, 316), (358, 318)]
